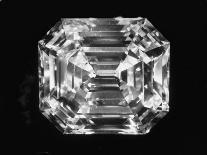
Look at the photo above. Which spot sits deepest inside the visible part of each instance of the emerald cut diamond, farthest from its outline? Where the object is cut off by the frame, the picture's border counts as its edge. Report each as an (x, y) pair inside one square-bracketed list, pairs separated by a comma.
[(104, 75)]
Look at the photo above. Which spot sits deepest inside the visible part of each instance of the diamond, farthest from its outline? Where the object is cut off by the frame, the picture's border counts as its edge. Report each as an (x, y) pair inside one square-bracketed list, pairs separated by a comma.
[(104, 75)]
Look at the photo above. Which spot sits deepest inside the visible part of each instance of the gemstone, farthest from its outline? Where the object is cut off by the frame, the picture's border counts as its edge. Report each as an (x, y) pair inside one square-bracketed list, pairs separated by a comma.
[(104, 75)]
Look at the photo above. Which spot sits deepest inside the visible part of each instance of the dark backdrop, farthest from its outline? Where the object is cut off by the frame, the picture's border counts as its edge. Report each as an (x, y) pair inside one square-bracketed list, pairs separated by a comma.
[(25, 130)]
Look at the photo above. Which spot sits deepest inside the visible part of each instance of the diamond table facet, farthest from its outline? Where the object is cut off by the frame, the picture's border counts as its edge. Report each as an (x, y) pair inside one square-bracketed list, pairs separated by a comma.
[(104, 75)]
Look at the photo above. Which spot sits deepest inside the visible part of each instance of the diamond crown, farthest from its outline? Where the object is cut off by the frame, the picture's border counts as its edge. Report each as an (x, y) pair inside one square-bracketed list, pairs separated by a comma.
[(104, 75)]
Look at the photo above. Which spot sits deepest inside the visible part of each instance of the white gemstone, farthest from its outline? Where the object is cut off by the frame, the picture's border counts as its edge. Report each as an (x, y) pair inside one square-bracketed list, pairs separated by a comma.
[(104, 75)]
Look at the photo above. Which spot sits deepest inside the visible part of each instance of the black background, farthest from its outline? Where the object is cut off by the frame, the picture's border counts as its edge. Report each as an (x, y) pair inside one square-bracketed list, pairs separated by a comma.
[(26, 131)]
